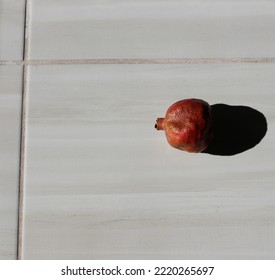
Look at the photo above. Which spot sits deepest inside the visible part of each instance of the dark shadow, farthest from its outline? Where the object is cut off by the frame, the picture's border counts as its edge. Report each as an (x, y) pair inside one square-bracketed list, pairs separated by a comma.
[(235, 129)]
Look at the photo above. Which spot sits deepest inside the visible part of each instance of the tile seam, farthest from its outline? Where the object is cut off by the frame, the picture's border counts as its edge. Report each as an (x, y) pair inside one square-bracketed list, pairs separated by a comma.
[(11, 62), (27, 62), (23, 133)]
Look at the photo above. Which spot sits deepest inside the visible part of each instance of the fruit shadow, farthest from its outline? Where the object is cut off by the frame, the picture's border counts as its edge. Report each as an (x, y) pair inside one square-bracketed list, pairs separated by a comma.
[(235, 129)]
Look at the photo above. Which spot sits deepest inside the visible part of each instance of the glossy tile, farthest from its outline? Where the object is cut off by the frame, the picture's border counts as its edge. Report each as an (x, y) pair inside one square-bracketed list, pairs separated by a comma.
[(102, 183), (151, 29), (10, 110), (12, 17)]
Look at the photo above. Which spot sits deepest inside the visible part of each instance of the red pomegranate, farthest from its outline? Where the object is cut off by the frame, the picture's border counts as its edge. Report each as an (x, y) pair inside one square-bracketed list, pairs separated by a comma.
[(187, 125)]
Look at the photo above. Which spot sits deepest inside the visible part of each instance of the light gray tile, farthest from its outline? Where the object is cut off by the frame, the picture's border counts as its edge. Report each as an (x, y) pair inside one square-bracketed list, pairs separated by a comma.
[(151, 29), (10, 110), (102, 183), (12, 16)]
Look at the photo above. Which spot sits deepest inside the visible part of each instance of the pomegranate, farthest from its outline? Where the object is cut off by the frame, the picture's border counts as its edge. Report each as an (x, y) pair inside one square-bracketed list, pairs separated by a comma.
[(187, 125)]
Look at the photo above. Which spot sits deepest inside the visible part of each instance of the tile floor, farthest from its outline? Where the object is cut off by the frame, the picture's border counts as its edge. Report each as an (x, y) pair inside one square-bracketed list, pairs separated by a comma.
[(89, 177), (12, 17)]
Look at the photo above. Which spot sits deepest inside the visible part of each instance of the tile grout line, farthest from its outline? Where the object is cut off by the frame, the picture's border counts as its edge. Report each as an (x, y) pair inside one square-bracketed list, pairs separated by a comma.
[(151, 61), (92, 61), (23, 134), (11, 62)]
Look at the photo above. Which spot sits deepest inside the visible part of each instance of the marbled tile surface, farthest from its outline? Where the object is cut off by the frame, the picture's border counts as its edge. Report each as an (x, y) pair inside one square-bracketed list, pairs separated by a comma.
[(102, 183), (151, 29), (10, 110), (12, 14)]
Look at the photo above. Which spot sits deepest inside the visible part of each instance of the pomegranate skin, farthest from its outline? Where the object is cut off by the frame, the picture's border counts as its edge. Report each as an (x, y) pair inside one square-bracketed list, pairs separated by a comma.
[(187, 125)]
